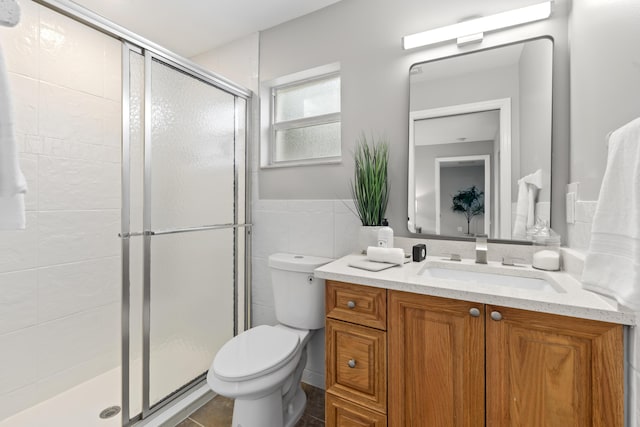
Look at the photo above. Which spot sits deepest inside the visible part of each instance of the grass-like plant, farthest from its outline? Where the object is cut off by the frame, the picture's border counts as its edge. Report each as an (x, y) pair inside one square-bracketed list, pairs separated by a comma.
[(469, 202), (370, 186)]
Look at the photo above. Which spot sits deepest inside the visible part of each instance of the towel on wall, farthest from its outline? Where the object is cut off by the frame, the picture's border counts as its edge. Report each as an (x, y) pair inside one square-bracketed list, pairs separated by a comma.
[(528, 187), (12, 182), (612, 264)]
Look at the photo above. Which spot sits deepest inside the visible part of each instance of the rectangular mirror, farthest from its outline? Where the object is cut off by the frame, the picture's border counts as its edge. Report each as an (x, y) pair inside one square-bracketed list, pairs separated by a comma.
[(480, 142)]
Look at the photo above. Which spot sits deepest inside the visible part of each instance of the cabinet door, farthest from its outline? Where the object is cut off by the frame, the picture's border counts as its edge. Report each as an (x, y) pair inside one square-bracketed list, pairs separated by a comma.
[(357, 364), (436, 361), (549, 370), (342, 413)]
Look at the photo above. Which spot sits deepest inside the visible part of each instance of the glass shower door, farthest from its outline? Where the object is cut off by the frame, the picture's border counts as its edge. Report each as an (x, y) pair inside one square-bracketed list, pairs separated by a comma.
[(190, 190), (187, 167)]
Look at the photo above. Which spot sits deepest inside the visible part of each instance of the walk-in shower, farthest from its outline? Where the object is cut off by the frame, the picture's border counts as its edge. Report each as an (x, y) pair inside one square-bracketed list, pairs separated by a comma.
[(132, 271)]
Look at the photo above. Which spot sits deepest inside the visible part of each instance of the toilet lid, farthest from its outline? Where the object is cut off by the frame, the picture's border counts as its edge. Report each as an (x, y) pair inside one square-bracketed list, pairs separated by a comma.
[(254, 353)]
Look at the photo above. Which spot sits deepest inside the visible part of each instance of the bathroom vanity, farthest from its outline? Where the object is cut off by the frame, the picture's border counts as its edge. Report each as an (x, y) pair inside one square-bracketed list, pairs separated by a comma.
[(419, 346)]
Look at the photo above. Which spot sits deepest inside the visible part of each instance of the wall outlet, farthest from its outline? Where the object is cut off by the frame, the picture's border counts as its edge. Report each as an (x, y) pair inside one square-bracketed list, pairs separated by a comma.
[(571, 208), (459, 229)]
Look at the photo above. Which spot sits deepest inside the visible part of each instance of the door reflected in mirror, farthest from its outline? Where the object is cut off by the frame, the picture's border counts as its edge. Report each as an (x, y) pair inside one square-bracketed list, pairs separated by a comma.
[(481, 121)]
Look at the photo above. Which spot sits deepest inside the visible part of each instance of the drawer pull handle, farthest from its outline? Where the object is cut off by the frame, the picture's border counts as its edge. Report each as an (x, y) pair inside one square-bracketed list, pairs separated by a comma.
[(495, 315), (351, 304), (352, 363), (474, 312)]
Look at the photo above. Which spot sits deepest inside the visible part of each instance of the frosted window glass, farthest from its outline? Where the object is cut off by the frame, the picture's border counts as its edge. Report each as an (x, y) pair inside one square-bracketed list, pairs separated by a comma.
[(310, 99), (310, 142), (192, 151), (191, 306)]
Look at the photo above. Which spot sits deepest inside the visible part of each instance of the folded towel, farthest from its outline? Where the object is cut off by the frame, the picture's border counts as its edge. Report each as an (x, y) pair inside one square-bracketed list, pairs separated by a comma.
[(612, 264), (528, 187), (12, 182), (388, 255)]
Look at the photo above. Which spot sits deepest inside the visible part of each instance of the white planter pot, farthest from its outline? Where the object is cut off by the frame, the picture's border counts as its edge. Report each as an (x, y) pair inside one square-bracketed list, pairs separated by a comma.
[(367, 236)]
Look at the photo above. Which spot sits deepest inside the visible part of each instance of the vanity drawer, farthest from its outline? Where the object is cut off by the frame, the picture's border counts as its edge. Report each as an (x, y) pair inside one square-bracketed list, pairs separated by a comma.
[(357, 364), (359, 304), (340, 413)]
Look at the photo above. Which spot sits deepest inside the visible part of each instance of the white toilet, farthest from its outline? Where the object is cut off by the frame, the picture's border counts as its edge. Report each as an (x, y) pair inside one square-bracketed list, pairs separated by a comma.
[(262, 367)]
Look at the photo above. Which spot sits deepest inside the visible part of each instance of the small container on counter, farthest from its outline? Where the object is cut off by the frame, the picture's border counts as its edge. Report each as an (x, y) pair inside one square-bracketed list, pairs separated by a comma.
[(546, 249)]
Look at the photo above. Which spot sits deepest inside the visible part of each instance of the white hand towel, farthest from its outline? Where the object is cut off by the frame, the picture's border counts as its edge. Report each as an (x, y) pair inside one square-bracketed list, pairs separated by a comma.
[(528, 187), (388, 255), (9, 13), (612, 265), (12, 182)]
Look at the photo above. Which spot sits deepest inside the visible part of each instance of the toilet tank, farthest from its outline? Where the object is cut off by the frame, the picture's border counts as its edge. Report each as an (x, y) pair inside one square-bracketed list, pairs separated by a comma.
[(298, 295)]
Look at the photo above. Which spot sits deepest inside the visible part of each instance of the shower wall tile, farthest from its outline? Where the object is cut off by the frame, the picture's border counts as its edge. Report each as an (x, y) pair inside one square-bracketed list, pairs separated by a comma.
[(18, 400), (112, 70), (111, 124), (18, 249), (55, 384), (67, 184), (69, 236), (17, 359), (18, 300), (20, 43), (29, 167), (71, 288), (60, 278), (24, 98), (71, 54), (73, 340), (70, 115)]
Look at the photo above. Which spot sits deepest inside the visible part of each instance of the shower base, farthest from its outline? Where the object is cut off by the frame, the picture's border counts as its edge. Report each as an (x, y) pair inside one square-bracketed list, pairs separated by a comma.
[(79, 406)]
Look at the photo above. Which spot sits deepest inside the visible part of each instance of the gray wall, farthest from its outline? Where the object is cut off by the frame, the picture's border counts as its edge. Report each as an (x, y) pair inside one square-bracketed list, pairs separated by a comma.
[(605, 83), (365, 37)]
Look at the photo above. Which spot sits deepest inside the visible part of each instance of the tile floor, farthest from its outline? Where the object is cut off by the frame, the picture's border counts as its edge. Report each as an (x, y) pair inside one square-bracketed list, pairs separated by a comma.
[(218, 412)]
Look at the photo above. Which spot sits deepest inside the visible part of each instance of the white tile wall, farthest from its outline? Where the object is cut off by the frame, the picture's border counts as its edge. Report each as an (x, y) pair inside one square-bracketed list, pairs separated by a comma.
[(60, 278), (580, 232), (327, 228)]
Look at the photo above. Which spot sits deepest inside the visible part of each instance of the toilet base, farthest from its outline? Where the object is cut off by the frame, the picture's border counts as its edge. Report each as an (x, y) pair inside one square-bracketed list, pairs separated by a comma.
[(268, 410)]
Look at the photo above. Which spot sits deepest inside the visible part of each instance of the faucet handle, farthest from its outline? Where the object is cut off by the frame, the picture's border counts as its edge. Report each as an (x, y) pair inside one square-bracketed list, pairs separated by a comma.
[(511, 260), (454, 257)]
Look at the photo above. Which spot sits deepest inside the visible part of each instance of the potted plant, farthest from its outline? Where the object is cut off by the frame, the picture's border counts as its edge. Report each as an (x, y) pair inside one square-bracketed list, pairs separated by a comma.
[(370, 187), (469, 202)]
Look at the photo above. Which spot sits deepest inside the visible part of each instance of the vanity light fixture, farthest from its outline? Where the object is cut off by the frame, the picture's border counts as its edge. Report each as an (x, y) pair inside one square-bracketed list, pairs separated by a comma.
[(473, 29)]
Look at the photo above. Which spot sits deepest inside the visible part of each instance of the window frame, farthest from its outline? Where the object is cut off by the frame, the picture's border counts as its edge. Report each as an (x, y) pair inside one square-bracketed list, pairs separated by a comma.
[(269, 89)]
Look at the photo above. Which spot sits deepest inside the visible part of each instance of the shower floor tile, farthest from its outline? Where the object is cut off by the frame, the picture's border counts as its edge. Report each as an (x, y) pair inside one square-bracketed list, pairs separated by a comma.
[(218, 412)]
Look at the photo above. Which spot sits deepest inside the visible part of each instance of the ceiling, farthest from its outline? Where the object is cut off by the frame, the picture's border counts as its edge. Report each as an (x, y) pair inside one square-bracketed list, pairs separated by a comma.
[(190, 27)]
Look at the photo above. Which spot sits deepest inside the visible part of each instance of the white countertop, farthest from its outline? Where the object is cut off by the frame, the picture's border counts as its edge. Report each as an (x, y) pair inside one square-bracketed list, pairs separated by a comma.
[(574, 301)]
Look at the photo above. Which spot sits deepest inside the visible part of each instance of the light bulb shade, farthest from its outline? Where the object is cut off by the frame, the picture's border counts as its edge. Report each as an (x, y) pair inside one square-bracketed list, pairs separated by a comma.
[(485, 24)]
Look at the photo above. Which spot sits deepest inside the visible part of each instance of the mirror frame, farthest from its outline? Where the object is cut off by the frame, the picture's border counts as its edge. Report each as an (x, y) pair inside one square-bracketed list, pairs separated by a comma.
[(449, 110)]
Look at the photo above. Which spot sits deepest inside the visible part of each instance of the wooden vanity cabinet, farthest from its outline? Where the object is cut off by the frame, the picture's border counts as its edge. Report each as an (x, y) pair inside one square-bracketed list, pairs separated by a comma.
[(456, 363), (450, 358)]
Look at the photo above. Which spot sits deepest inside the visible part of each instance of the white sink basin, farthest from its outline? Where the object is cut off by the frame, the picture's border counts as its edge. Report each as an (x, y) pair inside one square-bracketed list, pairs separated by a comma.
[(511, 281)]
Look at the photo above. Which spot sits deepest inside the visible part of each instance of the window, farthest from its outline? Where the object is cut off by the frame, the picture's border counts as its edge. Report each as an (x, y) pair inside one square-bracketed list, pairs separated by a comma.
[(304, 121)]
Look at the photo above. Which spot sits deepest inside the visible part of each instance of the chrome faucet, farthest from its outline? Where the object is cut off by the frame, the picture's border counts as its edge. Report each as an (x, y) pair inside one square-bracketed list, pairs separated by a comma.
[(481, 249)]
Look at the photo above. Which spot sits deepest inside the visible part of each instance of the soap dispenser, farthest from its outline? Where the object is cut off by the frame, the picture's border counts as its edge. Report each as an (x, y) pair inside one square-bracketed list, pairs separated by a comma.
[(385, 235)]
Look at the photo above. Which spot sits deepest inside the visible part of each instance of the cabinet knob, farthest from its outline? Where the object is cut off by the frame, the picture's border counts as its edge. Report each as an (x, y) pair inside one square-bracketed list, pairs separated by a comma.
[(474, 312), (495, 315), (352, 363), (351, 304)]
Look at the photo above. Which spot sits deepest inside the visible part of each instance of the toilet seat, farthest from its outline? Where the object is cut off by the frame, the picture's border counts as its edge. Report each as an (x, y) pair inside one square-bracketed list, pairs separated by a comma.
[(254, 353)]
